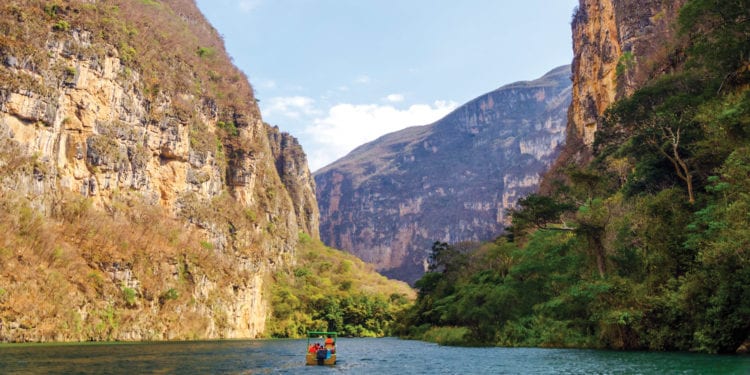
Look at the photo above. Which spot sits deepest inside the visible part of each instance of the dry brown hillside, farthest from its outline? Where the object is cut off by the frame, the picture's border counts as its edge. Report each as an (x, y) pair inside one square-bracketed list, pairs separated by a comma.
[(141, 195)]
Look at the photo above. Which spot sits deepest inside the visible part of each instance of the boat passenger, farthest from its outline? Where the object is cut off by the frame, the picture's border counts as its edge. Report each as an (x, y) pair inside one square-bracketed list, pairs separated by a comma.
[(329, 342)]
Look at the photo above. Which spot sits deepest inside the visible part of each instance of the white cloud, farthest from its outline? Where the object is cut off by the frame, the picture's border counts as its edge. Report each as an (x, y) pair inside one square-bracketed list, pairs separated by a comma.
[(395, 98), (363, 79), (248, 5), (349, 125), (290, 106), (268, 84)]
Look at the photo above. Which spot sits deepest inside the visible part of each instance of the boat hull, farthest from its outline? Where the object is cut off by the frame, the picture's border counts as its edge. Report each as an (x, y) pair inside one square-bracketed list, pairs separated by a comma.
[(312, 360)]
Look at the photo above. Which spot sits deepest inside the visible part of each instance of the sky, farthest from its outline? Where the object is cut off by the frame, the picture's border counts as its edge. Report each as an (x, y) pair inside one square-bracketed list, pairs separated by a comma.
[(339, 73)]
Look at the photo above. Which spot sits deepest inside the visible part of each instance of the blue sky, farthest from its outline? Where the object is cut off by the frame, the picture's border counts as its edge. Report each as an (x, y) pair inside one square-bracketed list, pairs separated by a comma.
[(339, 73)]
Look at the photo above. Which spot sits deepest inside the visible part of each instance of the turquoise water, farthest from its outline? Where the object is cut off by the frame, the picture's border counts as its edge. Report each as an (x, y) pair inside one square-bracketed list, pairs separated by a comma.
[(356, 356)]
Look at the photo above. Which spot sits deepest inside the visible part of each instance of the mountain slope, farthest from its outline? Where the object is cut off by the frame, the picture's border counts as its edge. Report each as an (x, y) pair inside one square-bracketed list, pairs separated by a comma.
[(139, 185), (389, 200)]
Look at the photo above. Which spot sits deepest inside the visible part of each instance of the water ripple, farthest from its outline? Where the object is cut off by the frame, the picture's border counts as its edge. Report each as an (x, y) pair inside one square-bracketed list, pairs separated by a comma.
[(356, 356)]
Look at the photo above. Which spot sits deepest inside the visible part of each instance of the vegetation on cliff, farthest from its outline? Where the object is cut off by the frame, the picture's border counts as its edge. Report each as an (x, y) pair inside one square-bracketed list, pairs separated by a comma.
[(646, 247), (329, 290), (127, 274), (164, 41)]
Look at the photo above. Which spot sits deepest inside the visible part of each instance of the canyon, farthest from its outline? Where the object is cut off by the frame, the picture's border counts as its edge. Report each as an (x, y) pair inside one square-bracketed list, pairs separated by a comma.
[(452, 181)]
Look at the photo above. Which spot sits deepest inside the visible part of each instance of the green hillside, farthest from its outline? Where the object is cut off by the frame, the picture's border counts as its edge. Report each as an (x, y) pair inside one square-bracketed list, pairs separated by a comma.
[(329, 290), (646, 247)]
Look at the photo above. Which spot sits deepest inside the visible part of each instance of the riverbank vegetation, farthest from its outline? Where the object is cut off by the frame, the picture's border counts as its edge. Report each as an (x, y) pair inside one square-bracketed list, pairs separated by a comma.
[(646, 247), (329, 290)]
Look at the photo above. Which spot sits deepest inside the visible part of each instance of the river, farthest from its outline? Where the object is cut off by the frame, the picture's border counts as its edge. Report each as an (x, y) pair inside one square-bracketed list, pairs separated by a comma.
[(355, 356)]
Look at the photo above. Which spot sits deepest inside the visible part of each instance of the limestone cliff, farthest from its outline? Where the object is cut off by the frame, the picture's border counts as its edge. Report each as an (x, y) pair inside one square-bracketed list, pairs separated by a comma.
[(291, 164), (617, 46), (389, 200), (134, 106)]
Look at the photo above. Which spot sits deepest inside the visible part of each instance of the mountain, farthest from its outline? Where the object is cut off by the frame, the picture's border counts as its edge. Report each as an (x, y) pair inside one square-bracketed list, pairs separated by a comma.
[(453, 180), (142, 195)]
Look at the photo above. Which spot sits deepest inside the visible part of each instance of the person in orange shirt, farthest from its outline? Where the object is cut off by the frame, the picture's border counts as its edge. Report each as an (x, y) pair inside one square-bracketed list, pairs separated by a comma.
[(329, 342)]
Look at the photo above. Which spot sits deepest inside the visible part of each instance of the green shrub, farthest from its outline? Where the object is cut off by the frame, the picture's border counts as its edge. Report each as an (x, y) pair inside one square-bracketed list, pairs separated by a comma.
[(51, 9), (228, 127), (346, 285), (304, 238), (345, 266), (625, 63), (454, 336), (206, 52), (129, 295), (302, 272), (170, 294), (127, 52), (61, 25), (250, 215)]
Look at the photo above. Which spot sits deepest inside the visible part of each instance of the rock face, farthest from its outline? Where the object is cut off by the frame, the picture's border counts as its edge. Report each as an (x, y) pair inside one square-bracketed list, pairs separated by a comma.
[(129, 101), (291, 164), (617, 46), (389, 200)]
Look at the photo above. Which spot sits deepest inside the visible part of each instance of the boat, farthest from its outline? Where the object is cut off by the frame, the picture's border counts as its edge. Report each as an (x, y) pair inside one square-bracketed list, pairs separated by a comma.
[(321, 348)]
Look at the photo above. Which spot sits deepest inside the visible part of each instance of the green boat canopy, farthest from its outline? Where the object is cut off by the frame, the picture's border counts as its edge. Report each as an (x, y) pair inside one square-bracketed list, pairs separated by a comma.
[(321, 333)]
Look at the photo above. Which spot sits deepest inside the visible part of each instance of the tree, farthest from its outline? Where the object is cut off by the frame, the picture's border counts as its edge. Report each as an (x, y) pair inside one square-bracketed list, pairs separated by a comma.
[(447, 259), (436, 256), (539, 211), (721, 238), (718, 33), (664, 133), (660, 117), (592, 218)]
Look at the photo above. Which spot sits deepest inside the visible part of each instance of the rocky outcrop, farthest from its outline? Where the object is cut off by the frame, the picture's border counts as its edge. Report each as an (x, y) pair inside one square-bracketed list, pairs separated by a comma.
[(137, 101), (389, 200), (617, 46), (291, 165)]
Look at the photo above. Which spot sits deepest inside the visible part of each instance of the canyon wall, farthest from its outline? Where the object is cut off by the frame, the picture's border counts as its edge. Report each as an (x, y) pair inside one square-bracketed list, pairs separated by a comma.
[(291, 165), (618, 45), (389, 200), (130, 107)]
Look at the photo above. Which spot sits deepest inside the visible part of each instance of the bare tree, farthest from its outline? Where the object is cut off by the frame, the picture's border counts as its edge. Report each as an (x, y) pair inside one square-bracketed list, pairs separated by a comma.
[(664, 133)]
